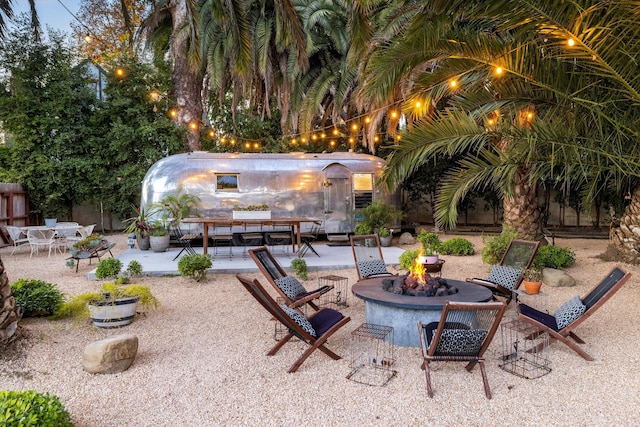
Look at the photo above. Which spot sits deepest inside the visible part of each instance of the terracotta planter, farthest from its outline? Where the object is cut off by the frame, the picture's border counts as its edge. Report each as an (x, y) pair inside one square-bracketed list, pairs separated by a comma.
[(531, 287)]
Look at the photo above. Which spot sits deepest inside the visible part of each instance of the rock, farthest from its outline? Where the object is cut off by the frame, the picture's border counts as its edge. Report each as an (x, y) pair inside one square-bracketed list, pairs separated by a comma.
[(406, 239), (557, 278), (110, 355)]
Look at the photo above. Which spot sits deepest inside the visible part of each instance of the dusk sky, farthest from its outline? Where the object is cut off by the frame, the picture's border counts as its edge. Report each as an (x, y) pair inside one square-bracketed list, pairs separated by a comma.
[(51, 12)]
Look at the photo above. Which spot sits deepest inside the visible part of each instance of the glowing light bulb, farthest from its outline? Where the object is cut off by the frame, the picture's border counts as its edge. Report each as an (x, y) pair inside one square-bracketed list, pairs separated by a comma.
[(376, 138), (87, 38), (332, 143), (335, 131), (367, 120), (529, 115), (571, 42), (212, 134), (120, 72), (453, 83), (418, 104), (256, 145), (499, 70), (490, 121), (193, 126), (173, 113), (354, 127), (394, 114), (323, 135)]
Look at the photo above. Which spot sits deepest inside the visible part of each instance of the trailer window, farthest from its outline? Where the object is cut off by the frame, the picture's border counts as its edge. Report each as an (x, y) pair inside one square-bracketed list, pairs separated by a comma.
[(362, 182), (362, 190), (227, 182)]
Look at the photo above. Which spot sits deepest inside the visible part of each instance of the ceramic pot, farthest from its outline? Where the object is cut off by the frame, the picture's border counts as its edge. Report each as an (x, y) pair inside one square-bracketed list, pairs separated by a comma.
[(385, 241), (159, 243), (113, 314), (531, 287), (143, 242)]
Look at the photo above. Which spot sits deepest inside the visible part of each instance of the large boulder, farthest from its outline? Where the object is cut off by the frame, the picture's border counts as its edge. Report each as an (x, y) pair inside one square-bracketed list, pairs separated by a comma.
[(110, 355), (557, 278), (406, 239)]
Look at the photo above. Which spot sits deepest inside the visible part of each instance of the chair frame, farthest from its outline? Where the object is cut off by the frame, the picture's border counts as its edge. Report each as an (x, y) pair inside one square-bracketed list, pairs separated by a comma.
[(18, 237), (361, 238), (429, 351), (307, 238), (272, 270), (498, 290), (602, 292), (260, 294)]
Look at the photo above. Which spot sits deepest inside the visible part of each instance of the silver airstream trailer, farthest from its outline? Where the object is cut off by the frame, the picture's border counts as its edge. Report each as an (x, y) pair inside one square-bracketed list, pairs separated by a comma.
[(327, 186)]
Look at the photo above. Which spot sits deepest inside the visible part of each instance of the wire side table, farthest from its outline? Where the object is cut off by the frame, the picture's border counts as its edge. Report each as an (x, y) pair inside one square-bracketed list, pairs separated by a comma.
[(338, 295), (524, 350), (372, 354)]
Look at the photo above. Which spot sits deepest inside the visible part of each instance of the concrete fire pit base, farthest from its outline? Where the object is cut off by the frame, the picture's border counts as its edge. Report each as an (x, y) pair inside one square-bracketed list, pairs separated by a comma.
[(403, 312)]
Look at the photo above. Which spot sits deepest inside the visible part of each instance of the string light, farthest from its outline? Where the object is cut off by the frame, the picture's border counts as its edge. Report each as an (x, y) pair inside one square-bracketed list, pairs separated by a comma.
[(120, 73), (571, 42), (453, 83), (499, 71), (193, 125), (173, 113)]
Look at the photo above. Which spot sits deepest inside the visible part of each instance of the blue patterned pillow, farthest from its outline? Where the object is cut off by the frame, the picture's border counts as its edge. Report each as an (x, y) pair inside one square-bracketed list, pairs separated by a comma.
[(290, 286), (505, 276), (569, 311), (372, 268), (460, 342), (299, 319)]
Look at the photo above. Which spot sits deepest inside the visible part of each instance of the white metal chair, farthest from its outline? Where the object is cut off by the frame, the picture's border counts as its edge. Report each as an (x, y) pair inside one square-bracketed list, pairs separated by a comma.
[(18, 237), (44, 237)]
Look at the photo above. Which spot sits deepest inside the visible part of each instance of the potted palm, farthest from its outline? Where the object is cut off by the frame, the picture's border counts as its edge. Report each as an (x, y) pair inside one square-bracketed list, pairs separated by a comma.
[(139, 225), (159, 239)]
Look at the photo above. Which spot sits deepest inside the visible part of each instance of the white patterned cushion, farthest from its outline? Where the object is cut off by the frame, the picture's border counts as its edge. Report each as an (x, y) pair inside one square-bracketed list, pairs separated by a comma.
[(504, 276), (290, 286), (372, 268), (569, 311), (460, 342), (299, 319)]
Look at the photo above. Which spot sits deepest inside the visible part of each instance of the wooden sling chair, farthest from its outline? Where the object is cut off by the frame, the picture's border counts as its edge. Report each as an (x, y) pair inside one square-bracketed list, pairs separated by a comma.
[(368, 258), (313, 330), (463, 334), (506, 276), (288, 287), (573, 312)]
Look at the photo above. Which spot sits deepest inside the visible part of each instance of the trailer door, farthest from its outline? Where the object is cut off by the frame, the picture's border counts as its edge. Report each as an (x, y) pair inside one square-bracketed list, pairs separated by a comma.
[(338, 203)]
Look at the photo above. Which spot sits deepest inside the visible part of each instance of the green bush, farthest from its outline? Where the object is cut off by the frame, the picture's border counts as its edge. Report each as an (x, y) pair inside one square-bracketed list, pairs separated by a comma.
[(31, 409), (134, 269), (195, 265), (108, 268), (554, 257), (407, 257), (494, 247), (430, 242), (456, 246), (36, 297), (299, 266)]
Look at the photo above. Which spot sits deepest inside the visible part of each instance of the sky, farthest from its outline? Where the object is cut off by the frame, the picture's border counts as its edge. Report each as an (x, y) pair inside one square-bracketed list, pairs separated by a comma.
[(51, 12)]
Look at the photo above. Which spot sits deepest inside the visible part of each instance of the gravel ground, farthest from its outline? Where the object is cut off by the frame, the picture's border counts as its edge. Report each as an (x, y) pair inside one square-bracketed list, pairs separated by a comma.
[(202, 361)]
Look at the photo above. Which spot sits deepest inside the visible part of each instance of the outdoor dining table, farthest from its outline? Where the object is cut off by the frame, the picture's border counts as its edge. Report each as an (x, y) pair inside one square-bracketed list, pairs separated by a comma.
[(294, 222)]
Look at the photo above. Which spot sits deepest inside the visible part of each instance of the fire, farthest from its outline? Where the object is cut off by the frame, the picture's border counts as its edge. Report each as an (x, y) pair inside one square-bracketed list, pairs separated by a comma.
[(417, 271)]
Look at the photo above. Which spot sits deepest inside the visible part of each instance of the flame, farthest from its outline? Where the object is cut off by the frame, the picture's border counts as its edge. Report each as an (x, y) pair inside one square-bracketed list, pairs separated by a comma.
[(417, 270)]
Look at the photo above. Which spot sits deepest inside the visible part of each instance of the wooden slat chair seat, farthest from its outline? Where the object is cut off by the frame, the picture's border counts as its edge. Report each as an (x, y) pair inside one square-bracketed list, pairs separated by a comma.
[(463, 334), (561, 324), (313, 331)]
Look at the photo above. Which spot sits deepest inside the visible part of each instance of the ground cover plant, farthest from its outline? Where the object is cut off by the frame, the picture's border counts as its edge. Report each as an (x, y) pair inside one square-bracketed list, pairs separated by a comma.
[(31, 409)]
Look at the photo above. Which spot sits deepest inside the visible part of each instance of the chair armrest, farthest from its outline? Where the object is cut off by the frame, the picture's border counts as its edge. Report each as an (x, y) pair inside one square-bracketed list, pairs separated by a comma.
[(309, 296)]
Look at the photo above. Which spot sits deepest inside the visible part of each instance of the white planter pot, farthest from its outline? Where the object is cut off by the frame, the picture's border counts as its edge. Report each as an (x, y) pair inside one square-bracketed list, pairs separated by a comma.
[(159, 243), (113, 314), (431, 259), (251, 214), (50, 222), (386, 241)]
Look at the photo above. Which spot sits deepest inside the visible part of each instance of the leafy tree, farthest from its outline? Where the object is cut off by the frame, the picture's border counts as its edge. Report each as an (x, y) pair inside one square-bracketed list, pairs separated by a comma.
[(46, 106)]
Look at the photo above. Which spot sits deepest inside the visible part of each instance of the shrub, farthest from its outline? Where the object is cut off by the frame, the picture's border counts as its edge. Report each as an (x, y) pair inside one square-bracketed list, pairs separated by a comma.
[(299, 266), (30, 408), (195, 265), (494, 247), (456, 246), (36, 297), (407, 257), (134, 269), (554, 257), (108, 268), (430, 242)]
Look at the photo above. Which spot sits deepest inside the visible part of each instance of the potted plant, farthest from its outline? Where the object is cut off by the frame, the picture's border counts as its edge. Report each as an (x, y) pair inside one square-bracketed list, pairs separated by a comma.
[(386, 236), (376, 216), (159, 239), (116, 304), (251, 212), (139, 225), (430, 245), (532, 280)]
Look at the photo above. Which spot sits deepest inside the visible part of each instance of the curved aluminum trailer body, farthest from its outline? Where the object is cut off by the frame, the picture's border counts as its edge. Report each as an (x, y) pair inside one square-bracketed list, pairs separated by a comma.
[(325, 186)]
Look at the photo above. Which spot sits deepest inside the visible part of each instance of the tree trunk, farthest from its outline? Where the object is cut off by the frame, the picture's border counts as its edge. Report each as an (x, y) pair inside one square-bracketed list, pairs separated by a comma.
[(9, 311), (521, 211), (186, 78), (624, 239)]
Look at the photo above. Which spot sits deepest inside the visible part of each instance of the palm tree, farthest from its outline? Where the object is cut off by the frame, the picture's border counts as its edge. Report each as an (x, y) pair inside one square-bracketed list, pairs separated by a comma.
[(564, 104), (6, 9)]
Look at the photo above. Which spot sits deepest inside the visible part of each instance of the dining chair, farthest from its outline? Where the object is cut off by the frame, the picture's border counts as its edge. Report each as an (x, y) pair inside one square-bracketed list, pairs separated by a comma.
[(41, 237)]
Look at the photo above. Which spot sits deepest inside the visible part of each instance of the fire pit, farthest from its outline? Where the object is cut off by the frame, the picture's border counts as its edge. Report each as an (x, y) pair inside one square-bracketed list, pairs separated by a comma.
[(418, 282), (402, 311)]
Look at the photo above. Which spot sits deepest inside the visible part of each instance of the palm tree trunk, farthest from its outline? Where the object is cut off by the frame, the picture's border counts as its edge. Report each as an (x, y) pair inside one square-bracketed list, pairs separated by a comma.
[(624, 239), (186, 77), (521, 210), (9, 310)]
